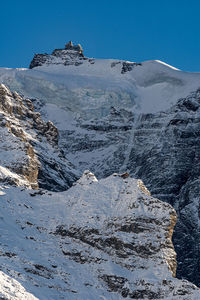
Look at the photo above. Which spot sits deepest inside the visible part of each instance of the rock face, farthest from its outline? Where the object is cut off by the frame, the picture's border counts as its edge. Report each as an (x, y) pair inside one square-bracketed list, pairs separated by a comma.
[(163, 150), (70, 55), (73, 55), (119, 116), (106, 239), (171, 156), (30, 155)]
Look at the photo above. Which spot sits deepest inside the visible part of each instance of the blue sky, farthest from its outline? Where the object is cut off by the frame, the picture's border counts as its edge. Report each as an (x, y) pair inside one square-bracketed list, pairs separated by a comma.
[(133, 30)]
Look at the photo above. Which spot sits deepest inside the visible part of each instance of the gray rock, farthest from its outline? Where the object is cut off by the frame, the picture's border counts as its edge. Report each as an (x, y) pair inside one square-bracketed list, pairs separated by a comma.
[(70, 55), (30, 155)]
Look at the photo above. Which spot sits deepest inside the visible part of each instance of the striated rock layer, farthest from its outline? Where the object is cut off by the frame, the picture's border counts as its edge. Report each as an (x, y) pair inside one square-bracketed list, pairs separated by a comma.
[(30, 155), (162, 149), (106, 239)]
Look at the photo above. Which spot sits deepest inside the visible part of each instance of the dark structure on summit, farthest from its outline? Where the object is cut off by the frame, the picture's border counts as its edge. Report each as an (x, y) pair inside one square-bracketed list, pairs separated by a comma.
[(70, 46)]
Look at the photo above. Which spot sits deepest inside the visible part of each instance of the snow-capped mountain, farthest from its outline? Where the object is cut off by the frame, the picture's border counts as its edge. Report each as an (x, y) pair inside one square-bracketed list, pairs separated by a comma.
[(110, 116)]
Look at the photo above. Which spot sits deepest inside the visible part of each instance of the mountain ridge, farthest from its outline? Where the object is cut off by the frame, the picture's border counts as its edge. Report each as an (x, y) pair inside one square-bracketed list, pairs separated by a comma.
[(103, 238), (117, 116)]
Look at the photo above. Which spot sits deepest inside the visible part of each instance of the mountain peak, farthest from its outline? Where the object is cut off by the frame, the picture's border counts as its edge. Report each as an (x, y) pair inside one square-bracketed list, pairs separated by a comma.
[(70, 55)]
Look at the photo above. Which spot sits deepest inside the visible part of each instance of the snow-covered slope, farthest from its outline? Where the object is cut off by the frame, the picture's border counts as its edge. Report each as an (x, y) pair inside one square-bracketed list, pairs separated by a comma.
[(91, 86), (106, 239), (11, 289), (114, 116)]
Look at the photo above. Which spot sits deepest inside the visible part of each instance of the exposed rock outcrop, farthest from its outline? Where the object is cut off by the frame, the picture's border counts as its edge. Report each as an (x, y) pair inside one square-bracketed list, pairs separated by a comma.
[(106, 239), (128, 66), (70, 55), (27, 145), (163, 150)]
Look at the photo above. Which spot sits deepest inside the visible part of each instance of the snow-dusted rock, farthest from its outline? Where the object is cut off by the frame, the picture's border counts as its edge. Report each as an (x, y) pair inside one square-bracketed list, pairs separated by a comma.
[(30, 155), (162, 149), (106, 239), (71, 55), (118, 116)]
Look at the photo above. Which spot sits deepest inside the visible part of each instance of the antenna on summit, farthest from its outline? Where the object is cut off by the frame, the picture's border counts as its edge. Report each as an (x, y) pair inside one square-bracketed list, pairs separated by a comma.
[(69, 45)]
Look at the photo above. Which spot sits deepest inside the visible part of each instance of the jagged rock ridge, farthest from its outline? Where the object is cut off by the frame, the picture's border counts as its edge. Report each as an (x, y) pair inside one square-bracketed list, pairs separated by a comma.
[(106, 239), (73, 55), (70, 55)]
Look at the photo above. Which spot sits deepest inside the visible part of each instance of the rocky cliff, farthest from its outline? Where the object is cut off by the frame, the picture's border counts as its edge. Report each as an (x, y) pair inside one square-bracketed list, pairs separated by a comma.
[(106, 239), (70, 55), (30, 155), (163, 150)]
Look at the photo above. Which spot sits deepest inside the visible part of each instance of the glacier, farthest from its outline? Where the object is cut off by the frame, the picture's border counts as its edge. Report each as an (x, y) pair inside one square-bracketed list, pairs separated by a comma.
[(118, 116)]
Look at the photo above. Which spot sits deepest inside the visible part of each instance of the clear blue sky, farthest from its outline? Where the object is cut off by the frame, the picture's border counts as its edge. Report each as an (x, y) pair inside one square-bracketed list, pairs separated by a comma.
[(134, 30)]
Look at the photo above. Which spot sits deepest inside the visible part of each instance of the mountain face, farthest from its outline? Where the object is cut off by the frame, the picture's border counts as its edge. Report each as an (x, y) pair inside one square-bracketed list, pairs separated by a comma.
[(106, 116), (71, 55), (106, 239), (30, 155)]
